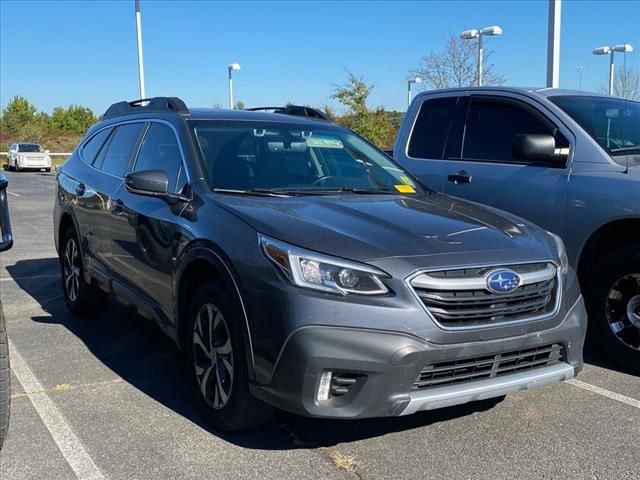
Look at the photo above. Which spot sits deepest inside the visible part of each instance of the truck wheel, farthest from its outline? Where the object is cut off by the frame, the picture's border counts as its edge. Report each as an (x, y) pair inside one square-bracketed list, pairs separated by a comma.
[(5, 381), (81, 297), (613, 303), (216, 363)]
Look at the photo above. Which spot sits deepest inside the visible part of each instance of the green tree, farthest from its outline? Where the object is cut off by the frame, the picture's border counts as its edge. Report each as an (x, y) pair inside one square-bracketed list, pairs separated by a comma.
[(76, 119), (374, 125), (240, 105), (18, 116)]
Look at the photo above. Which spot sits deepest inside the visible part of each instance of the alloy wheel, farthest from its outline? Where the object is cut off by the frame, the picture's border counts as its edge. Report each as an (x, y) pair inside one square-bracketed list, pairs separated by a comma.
[(72, 270), (213, 356), (623, 310)]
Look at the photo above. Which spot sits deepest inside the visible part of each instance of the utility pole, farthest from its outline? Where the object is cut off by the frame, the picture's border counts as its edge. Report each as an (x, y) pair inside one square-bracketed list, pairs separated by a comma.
[(139, 38), (553, 44)]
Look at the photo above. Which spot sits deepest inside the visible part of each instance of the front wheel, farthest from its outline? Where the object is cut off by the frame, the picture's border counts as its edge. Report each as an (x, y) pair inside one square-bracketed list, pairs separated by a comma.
[(613, 302), (81, 297), (216, 363)]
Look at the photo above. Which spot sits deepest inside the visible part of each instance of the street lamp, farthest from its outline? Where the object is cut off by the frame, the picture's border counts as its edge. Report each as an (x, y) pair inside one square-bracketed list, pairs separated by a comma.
[(475, 33), (231, 67), (625, 47), (581, 70), (409, 82), (139, 41)]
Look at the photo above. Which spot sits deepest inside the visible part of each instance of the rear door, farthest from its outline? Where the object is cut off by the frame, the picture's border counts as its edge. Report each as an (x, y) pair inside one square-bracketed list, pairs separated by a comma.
[(425, 141), (480, 165), (143, 228), (109, 166)]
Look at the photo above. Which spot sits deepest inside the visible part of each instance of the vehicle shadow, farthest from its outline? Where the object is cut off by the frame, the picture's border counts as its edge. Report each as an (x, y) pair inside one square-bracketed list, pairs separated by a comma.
[(136, 350)]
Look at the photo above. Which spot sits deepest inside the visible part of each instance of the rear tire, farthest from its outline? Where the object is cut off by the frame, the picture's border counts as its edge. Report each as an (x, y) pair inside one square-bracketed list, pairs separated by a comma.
[(81, 297), (5, 381), (217, 365), (612, 296)]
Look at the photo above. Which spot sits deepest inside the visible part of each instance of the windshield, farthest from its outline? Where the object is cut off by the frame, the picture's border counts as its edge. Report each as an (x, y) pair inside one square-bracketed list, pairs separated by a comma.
[(29, 147), (250, 156), (613, 123)]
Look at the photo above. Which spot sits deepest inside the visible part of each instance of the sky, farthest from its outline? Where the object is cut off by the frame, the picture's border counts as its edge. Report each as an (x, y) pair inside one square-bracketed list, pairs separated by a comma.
[(56, 53)]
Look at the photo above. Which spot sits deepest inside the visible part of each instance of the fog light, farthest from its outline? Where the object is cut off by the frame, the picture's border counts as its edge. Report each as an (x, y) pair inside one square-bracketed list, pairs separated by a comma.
[(325, 386)]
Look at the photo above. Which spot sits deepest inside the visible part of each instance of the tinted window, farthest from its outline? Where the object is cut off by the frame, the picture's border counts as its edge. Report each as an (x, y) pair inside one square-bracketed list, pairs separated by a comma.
[(92, 147), (160, 151), (431, 129), (491, 127), (30, 148), (120, 147)]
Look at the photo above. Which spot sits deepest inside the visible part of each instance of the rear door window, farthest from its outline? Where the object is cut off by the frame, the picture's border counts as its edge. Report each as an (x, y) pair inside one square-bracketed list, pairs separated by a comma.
[(432, 128), (115, 157), (91, 148), (160, 151)]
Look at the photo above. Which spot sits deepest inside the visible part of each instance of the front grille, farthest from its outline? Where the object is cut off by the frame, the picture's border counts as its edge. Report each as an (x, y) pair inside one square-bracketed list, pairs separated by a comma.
[(489, 366), (461, 299)]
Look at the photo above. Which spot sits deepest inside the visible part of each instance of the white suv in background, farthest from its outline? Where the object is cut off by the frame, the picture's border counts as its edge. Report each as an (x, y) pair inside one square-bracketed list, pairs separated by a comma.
[(28, 155)]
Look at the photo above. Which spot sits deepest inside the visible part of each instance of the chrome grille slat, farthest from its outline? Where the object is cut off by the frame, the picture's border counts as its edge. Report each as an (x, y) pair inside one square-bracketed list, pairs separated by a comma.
[(488, 366), (470, 304)]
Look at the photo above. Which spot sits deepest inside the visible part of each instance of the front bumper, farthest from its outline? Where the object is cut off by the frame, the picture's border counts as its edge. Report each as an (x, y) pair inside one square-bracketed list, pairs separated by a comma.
[(383, 366)]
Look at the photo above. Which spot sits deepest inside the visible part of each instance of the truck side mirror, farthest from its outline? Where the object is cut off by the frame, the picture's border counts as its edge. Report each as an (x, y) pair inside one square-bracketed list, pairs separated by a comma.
[(535, 147)]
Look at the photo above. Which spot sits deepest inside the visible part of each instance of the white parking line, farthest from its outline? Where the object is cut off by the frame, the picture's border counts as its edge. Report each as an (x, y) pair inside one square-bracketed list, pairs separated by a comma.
[(605, 393), (69, 444), (14, 194)]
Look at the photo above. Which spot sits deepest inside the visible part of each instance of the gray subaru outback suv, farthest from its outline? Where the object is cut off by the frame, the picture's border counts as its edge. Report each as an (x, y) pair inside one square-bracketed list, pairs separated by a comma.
[(296, 266)]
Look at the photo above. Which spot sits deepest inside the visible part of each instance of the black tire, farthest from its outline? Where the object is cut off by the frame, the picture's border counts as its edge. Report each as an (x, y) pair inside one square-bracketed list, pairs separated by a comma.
[(605, 313), (81, 297), (47, 170), (5, 381), (240, 411)]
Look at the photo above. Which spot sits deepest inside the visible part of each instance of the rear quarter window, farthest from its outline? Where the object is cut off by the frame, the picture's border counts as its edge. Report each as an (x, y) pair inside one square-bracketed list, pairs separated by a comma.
[(120, 148), (91, 148)]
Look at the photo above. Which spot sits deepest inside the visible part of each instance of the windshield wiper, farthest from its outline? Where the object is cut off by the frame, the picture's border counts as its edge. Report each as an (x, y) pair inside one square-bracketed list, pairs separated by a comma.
[(253, 191), (635, 148)]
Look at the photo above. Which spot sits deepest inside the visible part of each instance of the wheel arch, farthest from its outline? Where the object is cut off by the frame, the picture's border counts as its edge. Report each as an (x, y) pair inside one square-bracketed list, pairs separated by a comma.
[(203, 262), (608, 238)]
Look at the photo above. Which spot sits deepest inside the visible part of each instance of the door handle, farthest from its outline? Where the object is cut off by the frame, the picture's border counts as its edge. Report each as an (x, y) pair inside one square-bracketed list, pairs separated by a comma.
[(117, 207), (461, 177), (80, 189)]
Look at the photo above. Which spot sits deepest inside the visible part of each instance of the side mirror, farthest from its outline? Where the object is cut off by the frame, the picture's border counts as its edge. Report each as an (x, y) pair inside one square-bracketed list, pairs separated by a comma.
[(147, 182), (47, 152), (535, 147)]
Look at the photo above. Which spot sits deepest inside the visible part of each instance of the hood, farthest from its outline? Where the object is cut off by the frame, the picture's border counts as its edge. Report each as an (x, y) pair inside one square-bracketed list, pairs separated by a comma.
[(368, 227)]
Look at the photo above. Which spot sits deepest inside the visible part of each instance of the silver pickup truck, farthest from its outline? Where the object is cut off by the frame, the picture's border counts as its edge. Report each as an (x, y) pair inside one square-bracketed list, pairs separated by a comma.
[(568, 161)]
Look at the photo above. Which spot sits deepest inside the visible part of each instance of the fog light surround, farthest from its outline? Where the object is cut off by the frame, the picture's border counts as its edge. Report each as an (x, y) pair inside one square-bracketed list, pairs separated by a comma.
[(325, 386)]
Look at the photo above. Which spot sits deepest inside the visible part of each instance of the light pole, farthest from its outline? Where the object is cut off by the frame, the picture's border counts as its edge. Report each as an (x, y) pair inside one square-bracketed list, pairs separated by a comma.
[(409, 82), (475, 33), (139, 39), (231, 67), (625, 47), (581, 70)]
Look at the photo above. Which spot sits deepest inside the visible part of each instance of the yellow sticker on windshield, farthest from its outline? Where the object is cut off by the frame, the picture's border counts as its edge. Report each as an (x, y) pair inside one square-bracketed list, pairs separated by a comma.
[(405, 188)]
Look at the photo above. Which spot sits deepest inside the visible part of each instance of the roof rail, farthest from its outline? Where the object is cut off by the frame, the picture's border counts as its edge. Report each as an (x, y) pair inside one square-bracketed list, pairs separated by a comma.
[(297, 110), (144, 105)]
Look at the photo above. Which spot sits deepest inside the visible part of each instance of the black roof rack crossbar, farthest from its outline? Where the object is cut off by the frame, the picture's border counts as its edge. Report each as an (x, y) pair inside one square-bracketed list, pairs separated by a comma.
[(297, 110), (143, 105)]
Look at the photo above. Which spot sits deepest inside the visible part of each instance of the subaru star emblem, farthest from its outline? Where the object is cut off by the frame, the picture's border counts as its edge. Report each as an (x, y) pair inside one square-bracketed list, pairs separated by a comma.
[(503, 281)]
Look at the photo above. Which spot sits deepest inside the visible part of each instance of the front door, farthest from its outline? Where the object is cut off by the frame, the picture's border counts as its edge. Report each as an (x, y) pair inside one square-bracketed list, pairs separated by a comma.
[(144, 229), (486, 171)]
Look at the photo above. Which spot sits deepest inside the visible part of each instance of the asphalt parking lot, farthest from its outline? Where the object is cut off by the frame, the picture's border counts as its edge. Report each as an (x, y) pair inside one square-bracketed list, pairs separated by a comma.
[(105, 398)]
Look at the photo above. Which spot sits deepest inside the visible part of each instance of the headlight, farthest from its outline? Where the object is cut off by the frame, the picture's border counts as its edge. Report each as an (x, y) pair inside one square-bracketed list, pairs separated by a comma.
[(562, 253), (308, 269)]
